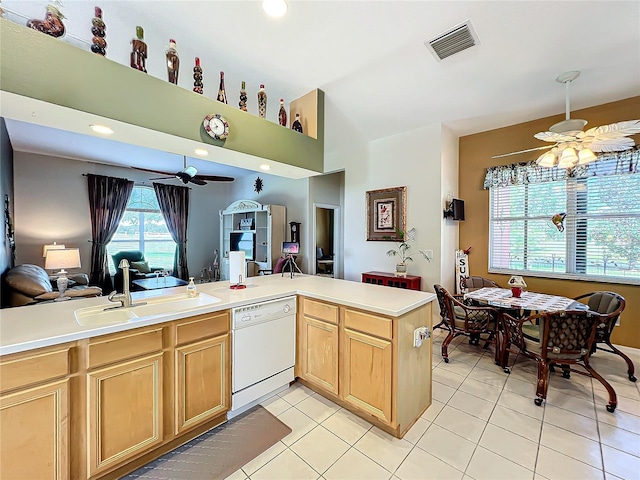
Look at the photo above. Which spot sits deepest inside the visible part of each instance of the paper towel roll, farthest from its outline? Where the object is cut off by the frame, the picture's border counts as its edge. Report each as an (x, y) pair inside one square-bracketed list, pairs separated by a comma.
[(237, 267)]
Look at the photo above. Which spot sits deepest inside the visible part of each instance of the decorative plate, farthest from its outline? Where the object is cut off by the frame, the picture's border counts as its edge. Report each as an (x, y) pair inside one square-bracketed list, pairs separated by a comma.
[(216, 126)]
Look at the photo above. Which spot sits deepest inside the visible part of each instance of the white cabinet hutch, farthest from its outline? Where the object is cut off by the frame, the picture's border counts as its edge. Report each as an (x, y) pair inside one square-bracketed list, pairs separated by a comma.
[(267, 222)]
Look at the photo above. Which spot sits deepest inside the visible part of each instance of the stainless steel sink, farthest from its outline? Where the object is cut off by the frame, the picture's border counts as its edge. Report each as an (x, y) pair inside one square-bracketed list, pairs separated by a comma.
[(163, 305)]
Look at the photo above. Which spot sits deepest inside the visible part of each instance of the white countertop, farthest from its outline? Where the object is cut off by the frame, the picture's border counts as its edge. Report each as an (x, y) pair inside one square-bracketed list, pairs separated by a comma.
[(35, 326)]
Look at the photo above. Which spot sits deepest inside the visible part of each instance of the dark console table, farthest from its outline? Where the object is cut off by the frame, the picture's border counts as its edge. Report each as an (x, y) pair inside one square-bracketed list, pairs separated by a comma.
[(410, 282)]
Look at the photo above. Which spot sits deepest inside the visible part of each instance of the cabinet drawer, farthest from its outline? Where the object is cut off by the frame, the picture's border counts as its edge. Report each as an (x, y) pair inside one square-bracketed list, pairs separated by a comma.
[(365, 322), (320, 310), (201, 327), (24, 369), (113, 348)]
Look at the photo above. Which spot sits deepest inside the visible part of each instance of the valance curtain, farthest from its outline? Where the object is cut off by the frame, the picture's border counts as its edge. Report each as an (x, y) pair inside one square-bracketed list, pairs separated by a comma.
[(616, 163), (108, 198), (174, 205)]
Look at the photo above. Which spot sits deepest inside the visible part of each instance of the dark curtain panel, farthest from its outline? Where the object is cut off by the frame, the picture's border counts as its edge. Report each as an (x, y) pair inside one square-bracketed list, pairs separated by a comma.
[(108, 198), (174, 204)]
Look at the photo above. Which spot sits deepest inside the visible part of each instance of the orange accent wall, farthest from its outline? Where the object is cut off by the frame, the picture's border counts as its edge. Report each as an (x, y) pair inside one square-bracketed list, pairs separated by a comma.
[(475, 157)]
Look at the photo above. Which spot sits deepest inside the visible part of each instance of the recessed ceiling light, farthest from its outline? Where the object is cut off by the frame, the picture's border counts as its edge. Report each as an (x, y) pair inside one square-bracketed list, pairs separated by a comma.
[(101, 129), (202, 152), (265, 167), (274, 8)]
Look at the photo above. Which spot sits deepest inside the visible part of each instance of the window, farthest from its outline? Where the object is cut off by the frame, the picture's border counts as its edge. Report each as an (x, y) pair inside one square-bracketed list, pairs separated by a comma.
[(601, 236), (143, 228)]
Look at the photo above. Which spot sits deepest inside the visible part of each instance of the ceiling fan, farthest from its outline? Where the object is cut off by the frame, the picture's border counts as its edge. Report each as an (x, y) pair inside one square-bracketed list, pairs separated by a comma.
[(188, 174), (571, 145)]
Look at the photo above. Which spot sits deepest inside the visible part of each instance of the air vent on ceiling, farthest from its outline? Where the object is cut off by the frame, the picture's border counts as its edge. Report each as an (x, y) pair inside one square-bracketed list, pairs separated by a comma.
[(455, 40)]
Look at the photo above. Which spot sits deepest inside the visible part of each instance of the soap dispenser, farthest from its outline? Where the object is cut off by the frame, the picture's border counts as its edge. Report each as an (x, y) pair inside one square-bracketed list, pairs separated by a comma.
[(191, 288)]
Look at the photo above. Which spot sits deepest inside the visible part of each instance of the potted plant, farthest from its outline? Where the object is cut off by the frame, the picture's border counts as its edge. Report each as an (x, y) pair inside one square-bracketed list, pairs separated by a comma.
[(403, 248)]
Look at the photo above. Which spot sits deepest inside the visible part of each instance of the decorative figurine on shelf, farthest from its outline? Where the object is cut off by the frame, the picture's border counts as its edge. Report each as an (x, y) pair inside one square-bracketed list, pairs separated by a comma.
[(282, 114), (52, 23), (198, 86), (173, 62), (297, 125), (243, 98), (139, 53), (222, 95), (98, 29), (262, 102)]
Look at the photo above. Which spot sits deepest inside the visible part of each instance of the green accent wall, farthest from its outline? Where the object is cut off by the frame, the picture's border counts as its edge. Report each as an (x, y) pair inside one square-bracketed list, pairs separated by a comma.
[(38, 66)]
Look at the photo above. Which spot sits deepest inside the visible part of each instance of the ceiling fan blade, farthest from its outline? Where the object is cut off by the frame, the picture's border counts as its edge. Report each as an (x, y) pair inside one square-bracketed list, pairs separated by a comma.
[(546, 147), (163, 178), (153, 171), (197, 181), (216, 178)]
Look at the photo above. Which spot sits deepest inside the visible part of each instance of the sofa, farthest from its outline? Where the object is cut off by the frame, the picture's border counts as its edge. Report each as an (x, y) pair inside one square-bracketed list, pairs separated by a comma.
[(30, 284)]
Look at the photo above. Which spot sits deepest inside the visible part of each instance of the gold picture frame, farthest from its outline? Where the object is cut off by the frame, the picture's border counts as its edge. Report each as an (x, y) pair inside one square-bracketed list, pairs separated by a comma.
[(386, 213)]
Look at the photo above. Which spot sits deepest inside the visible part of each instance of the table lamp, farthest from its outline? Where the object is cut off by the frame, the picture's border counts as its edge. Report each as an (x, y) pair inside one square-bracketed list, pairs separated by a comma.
[(62, 258), (517, 283), (52, 246)]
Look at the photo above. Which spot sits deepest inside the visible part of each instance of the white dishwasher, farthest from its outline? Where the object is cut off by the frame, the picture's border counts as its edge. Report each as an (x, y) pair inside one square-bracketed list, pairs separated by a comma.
[(263, 351)]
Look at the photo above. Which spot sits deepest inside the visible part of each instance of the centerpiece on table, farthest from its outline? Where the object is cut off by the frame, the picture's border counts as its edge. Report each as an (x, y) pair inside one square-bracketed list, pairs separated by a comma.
[(403, 250)]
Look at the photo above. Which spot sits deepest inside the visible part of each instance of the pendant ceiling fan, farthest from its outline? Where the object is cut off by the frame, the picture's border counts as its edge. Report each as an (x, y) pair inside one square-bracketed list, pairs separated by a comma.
[(188, 174), (571, 145)]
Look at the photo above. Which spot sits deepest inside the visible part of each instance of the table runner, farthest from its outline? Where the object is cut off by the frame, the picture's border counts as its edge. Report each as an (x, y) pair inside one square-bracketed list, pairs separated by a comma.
[(541, 302)]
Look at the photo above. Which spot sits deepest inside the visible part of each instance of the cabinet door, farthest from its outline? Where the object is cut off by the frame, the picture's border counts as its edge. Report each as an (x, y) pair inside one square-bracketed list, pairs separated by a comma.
[(319, 352), (366, 380), (34, 433), (202, 387), (125, 411)]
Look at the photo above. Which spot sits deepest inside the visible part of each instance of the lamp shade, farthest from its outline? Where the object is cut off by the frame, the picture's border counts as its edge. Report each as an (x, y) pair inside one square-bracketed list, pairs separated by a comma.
[(547, 159), (586, 156), (62, 258), (53, 246), (517, 281), (568, 158)]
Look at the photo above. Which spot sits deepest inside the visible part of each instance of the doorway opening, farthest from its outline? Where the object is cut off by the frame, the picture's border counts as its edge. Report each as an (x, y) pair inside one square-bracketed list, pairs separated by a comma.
[(326, 223)]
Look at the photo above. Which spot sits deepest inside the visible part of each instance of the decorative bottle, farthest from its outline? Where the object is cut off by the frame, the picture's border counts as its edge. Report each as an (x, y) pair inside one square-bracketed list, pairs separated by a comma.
[(262, 102), (198, 86), (297, 125), (173, 62), (243, 98), (139, 53), (98, 29), (52, 23), (192, 291), (282, 114), (222, 95)]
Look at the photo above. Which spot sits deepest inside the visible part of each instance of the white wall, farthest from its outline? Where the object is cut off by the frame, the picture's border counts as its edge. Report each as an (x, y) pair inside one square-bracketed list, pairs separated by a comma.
[(449, 183), (52, 204)]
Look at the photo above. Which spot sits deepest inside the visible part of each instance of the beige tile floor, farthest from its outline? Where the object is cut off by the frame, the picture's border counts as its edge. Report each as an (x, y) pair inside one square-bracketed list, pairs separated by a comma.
[(482, 424)]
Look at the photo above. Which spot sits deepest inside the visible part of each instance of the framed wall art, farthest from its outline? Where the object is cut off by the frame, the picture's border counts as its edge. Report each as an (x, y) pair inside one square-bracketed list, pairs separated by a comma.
[(386, 213)]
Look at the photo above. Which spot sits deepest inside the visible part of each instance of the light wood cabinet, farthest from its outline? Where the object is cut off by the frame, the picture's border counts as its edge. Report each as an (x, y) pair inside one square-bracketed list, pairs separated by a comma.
[(34, 414), (124, 411), (366, 373), (319, 350), (34, 433), (377, 373), (201, 390)]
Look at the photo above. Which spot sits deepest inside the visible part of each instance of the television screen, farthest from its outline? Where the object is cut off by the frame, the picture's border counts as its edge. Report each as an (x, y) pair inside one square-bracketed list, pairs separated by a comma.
[(243, 241)]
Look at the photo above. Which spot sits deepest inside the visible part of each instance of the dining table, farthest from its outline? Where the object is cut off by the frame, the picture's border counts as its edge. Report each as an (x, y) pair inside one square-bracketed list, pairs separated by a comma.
[(527, 303)]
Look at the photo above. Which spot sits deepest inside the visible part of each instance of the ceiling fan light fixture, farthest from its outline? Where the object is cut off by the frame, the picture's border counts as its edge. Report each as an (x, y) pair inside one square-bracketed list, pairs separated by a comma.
[(547, 159), (586, 156), (568, 158), (101, 129)]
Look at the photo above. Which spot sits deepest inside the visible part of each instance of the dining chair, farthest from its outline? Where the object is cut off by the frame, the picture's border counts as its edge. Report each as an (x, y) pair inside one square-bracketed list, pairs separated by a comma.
[(566, 339), (476, 283), (461, 319), (609, 305)]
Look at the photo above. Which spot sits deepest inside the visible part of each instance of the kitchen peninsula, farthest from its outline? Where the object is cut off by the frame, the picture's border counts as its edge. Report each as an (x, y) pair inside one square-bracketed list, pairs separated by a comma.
[(75, 393)]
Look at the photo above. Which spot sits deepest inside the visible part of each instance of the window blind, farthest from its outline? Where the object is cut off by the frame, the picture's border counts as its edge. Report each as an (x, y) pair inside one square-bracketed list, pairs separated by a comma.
[(599, 238)]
